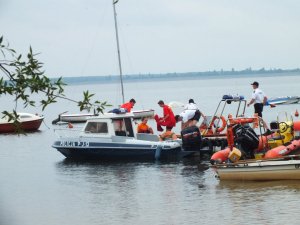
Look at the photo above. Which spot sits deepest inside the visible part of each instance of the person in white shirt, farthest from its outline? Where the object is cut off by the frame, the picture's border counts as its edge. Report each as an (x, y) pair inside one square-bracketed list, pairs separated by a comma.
[(259, 99), (190, 115)]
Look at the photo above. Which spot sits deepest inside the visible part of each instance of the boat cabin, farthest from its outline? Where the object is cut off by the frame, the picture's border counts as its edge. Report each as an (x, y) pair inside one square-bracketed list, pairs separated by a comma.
[(110, 124)]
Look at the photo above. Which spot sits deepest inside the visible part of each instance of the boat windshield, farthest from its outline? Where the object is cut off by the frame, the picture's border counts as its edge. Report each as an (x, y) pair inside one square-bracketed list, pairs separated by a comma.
[(96, 127)]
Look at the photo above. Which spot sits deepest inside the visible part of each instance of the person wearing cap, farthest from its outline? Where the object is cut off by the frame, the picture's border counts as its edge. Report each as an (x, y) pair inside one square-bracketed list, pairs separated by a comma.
[(259, 99), (128, 105), (168, 118), (190, 115)]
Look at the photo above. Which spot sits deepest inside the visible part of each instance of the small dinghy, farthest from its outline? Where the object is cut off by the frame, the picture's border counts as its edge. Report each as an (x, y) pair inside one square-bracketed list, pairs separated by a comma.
[(28, 122)]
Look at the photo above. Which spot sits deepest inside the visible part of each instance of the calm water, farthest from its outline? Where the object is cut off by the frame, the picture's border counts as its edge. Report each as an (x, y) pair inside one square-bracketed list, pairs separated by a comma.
[(39, 187)]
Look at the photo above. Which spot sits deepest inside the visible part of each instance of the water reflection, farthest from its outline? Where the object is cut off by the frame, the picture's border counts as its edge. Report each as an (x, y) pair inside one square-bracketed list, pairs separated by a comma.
[(124, 191), (260, 186)]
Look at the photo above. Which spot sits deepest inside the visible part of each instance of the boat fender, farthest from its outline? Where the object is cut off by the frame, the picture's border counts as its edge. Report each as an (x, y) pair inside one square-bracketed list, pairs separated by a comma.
[(296, 125), (296, 113)]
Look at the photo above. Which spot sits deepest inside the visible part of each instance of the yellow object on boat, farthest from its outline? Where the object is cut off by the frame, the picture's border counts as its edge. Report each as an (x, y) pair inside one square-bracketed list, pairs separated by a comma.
[(235, 155)]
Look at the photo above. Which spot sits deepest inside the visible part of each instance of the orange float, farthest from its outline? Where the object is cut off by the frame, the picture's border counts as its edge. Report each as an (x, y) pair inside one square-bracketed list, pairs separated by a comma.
[(282, 150), (297, 125), (220, 156)]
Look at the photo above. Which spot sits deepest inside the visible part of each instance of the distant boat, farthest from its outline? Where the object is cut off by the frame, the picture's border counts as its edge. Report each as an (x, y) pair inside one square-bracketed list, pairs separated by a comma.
[(28, 122), (283, 100)]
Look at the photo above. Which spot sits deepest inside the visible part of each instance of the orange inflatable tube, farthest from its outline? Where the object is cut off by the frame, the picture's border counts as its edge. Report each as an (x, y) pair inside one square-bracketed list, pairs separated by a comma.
[(276, 152), (220, 156), (282, 150), (263, 143)]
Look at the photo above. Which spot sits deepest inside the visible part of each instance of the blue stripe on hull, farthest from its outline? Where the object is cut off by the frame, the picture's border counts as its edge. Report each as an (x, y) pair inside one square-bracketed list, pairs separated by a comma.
[(114, 151), (106, 153)]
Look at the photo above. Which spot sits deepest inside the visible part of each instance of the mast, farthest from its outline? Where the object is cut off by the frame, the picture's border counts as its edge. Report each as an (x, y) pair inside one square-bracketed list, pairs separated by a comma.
[(118, 48)]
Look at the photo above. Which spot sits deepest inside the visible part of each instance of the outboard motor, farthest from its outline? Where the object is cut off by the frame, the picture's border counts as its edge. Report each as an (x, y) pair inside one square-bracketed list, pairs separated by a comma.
[(191, 139), (247, 139)]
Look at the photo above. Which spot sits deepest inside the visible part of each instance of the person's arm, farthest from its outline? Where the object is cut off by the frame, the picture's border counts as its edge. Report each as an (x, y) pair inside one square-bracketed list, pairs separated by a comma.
[(265, 100), (251, 102), (150, 130), (202, 114), (174, 136)]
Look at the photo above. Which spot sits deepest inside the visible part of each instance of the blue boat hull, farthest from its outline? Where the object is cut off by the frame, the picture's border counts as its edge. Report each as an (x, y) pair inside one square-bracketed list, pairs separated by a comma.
[(118, 151)]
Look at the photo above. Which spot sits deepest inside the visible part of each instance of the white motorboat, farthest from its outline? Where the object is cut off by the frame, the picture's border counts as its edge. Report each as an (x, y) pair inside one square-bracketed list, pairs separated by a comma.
[(111, 136)]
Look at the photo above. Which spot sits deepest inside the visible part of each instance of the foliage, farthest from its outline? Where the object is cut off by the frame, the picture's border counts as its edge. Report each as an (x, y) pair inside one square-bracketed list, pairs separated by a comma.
[(23, 76)]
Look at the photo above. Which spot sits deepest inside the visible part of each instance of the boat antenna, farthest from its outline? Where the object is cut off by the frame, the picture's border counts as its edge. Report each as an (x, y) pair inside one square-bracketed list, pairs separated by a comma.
[(118, 48)]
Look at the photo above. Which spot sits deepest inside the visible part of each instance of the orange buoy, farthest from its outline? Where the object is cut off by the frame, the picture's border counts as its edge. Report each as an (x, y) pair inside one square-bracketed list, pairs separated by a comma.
[(220, 156), (296, 113), (296, 125), (70, 125)]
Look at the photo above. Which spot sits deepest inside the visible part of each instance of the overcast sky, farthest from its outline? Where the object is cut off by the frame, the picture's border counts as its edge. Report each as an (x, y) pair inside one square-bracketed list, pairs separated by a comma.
[(77, 37)]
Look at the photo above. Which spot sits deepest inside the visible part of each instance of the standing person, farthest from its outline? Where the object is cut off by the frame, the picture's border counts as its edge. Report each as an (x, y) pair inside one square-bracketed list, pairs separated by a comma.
[(128, 105), (259, 99), (168, 118), (143, 127)]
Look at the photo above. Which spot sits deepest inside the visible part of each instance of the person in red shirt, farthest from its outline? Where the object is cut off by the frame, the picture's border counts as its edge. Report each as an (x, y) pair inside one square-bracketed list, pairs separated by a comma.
[(128, 105), (168, 118)]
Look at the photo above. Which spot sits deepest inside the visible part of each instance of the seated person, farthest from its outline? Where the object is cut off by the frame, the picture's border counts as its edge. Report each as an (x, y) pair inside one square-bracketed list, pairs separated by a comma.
[(168, 135), (143, 127)]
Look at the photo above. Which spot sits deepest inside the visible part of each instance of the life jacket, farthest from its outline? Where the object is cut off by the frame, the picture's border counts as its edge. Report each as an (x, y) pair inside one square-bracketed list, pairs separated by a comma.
[(143, 128)]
